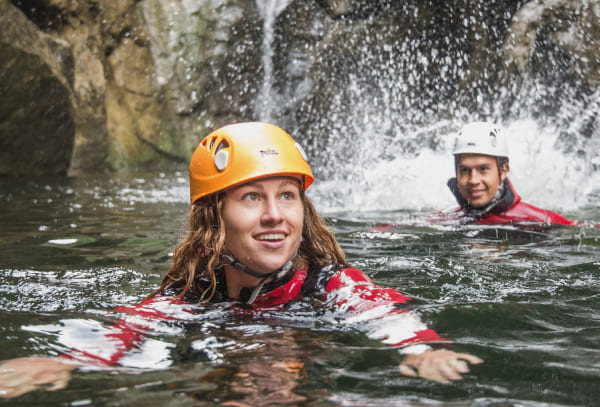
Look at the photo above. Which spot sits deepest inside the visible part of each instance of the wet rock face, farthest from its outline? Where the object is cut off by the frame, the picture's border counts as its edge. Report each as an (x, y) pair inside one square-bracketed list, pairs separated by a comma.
[(374, 70), (37, 125), (148, 78), (111, 84), (561, 34)]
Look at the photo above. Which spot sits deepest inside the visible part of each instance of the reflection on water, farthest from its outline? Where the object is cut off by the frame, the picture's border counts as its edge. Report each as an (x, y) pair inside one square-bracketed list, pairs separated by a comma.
[(525, 300)]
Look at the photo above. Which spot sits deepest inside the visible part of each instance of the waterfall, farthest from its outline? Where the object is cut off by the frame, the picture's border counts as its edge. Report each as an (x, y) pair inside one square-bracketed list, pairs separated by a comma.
[(267, 100), (375, 102), (384, 130)]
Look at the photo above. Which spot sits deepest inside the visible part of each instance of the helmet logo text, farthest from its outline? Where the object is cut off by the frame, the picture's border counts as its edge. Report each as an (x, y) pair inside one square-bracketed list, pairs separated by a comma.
[(268, 152)]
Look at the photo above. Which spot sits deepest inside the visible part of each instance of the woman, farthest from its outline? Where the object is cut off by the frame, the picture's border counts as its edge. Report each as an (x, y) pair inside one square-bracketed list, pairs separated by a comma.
[(255, 240)]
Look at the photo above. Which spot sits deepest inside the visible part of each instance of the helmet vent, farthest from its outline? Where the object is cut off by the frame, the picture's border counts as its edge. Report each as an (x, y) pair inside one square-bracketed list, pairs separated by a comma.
[(212, 142), (223, 144)]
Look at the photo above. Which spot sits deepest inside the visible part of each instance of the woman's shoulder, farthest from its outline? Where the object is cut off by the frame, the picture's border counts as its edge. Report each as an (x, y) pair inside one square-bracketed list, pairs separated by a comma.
[(321, 279), (317, 278)]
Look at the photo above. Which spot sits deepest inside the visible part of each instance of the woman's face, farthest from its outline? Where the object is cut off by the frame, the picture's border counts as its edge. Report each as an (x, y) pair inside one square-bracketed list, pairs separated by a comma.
[(263, 222)]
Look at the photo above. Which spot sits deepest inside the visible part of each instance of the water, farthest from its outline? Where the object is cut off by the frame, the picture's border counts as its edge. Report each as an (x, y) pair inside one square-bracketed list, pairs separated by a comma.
[(525, 300)]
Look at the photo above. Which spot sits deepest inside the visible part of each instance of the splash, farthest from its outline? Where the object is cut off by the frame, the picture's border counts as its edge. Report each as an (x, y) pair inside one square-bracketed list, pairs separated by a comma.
[(543, 174), (385, 110)]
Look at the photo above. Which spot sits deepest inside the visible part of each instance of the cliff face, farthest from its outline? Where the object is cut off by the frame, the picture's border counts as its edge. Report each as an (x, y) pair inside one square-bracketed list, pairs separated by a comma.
[(37, 126), (102, 85), (89, 86)]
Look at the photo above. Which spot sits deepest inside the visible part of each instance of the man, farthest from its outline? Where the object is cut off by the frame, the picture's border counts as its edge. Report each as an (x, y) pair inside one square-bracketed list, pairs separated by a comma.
[(481, 186)]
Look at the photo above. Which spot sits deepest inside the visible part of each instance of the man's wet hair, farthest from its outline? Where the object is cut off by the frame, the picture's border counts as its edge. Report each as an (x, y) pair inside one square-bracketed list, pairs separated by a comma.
[(500, 161)]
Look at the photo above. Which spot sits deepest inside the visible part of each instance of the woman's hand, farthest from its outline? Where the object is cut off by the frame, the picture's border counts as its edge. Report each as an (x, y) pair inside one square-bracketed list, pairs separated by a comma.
[(440, 365), (22, 375)]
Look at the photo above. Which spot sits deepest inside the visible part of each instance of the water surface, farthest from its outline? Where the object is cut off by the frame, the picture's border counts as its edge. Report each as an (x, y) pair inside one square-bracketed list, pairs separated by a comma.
[(524, 299)]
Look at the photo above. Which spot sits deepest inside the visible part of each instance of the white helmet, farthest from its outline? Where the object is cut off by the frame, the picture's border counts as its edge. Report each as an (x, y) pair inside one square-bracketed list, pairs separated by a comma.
[(481, 138)]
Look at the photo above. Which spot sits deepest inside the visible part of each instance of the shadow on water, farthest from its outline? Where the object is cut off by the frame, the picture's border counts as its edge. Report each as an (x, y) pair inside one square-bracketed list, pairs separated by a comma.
[(524, 299)]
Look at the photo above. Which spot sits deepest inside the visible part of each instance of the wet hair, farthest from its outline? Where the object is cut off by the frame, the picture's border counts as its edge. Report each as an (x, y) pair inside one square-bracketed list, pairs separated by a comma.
[(500, 161), (198, 255)]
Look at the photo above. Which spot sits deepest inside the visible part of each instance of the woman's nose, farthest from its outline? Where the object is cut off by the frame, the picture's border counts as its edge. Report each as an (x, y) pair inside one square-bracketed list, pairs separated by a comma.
[(272, 211)]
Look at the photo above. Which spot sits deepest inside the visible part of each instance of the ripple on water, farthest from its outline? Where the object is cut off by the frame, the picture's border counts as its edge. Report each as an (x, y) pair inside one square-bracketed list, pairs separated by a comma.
[(71, 290)]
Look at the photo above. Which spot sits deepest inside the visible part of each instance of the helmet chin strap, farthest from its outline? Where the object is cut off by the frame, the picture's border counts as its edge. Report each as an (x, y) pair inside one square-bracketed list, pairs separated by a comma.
[(229, 259)]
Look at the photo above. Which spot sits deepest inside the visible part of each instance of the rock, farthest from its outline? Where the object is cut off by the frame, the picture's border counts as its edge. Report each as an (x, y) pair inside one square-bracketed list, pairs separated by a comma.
[(541, 34), (37, 124)]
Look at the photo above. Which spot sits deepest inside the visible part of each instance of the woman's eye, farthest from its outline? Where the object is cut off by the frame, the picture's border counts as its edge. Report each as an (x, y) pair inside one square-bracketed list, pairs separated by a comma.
[(252, 196), (287, 196)]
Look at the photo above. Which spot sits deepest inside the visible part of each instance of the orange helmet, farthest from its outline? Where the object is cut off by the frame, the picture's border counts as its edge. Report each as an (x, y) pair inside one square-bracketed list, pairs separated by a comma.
[(243, 152)]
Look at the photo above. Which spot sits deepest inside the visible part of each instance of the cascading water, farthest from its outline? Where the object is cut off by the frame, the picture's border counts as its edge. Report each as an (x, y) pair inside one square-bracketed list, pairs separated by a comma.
[(267, 100), (384, 140), (379, 120), (393, 168)]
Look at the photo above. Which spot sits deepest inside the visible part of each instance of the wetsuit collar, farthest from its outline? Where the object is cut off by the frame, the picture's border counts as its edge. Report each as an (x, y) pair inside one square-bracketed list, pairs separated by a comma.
[(279, 277), (504, 198)]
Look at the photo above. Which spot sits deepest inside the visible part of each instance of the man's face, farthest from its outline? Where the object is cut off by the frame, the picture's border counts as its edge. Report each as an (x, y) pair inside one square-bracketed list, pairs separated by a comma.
[(478, 178)]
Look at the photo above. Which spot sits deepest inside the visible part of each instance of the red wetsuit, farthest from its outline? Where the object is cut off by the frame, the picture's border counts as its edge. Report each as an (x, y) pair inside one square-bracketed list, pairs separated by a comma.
[(349, 289), (508, 208)]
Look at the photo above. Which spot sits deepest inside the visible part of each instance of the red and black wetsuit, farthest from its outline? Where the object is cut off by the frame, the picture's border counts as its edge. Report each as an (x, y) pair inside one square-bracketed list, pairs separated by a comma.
[(507, 208), (349, 289)]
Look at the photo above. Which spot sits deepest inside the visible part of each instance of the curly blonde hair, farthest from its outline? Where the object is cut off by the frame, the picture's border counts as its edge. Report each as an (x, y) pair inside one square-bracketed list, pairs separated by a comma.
[(198, 254)]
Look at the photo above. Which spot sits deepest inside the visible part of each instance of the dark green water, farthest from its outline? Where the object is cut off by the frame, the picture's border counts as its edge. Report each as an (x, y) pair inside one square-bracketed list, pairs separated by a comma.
[(525, 300)]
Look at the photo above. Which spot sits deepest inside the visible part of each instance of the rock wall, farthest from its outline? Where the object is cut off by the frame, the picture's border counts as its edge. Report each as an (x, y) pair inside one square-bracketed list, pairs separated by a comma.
[(113, 84), (37, 125), (141, 87)]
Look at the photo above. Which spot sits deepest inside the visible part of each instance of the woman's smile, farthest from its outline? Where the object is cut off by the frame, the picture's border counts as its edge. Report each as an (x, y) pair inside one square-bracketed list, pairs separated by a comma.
[(272, 239)]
